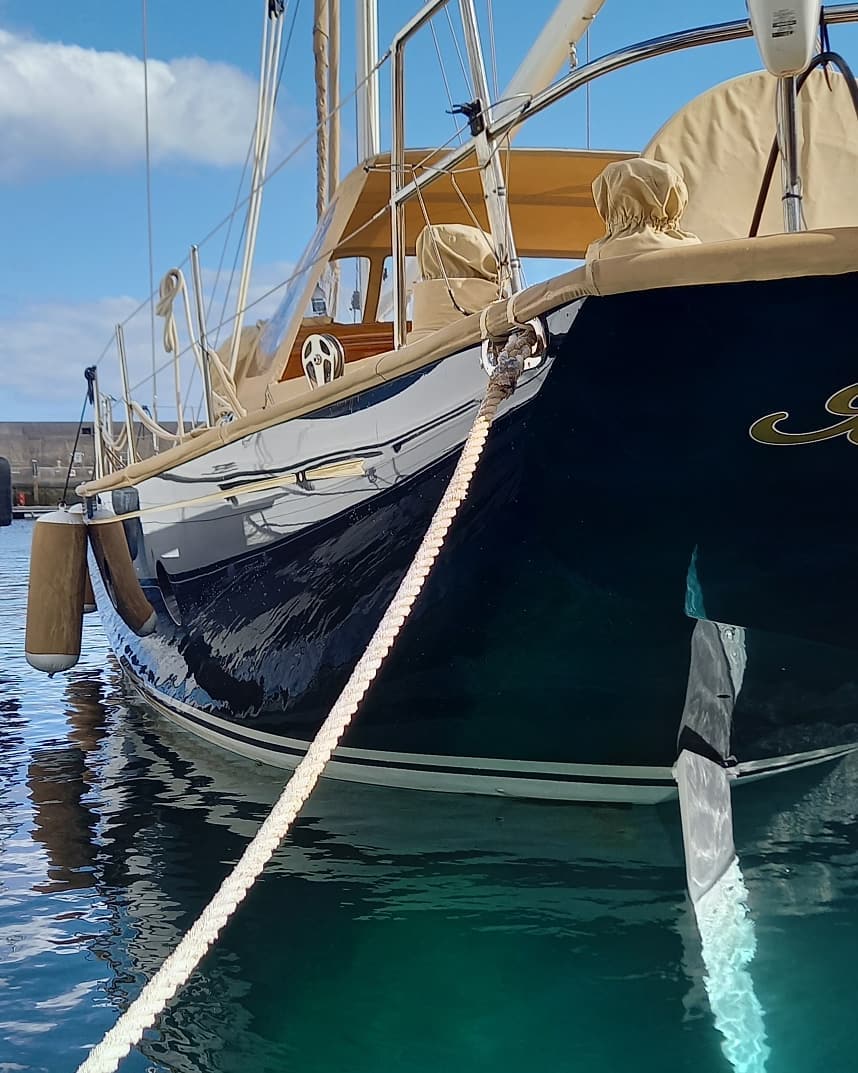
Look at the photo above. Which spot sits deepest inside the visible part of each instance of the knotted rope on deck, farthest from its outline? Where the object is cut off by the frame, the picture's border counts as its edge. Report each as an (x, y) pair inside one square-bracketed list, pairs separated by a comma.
[(176, 970), (225, 399)]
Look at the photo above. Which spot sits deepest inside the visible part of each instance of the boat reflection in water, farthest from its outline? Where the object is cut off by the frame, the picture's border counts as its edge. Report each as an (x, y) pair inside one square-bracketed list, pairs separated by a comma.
[(510, 921), (60, 781)]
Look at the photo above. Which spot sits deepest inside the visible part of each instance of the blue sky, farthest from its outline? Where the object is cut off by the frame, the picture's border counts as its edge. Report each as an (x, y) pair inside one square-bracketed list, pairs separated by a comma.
[(72, 165)]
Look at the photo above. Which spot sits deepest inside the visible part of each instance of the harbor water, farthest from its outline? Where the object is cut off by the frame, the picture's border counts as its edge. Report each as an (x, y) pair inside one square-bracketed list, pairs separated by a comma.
[(394, 931)]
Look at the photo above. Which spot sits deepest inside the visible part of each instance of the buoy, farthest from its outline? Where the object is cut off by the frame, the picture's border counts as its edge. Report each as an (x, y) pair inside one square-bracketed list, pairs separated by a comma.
[(5, 492), (55, 598), (110, 547)]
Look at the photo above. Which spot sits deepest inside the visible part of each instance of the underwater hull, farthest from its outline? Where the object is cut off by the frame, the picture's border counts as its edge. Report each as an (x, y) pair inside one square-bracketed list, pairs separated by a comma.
[(621, 503)]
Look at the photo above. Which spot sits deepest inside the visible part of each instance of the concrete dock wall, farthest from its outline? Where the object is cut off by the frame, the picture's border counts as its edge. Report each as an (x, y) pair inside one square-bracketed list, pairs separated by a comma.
[(39, 453)]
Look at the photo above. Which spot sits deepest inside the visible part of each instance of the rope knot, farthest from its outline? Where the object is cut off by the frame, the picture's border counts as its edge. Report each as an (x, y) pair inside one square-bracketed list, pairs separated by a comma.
[(508, 368)]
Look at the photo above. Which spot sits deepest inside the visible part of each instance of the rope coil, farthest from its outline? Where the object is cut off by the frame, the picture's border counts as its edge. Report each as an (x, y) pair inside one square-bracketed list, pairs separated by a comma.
[(172, 286), (176, 970)]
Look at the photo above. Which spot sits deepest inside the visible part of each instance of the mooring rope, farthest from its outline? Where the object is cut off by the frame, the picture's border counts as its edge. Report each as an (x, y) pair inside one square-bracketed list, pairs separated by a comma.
[(176, 970)]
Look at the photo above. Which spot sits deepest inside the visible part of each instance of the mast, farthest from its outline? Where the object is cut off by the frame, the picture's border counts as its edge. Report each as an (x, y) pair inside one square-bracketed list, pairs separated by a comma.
[(368, 140), (334, 97), (334, 136), (326, 53), (321, 39)]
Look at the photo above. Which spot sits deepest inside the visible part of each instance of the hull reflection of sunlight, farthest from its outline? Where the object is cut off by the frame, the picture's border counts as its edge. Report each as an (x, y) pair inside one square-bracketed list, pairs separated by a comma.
[(716, 886), (728, 944)]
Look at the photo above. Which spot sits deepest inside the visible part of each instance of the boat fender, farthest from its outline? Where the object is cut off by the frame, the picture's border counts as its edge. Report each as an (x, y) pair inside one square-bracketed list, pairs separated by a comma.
[(89, 604), (88, 594), (127, 501), (56, 592), (109, 544)]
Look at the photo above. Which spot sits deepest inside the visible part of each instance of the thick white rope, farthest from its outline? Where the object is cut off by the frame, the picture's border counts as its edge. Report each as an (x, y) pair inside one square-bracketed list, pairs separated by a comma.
[(115, 443), (154, 426), (171, 284), (176, 970)]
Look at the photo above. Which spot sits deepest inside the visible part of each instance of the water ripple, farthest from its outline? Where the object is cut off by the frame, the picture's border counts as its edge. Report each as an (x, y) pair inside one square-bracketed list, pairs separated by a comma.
[(393, 931)]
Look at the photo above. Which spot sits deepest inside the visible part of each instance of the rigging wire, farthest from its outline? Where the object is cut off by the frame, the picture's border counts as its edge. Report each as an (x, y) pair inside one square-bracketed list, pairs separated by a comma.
[(287, 159), (587, 87), (465, 73), (444, 77), (225, 246), (328, 250), (87, 399), (290, 156), (507, 224), (490, 12), (232, 271), (270, 62), (295, 8), (145, 21), (236, 205), (325, 253), (304, 267)]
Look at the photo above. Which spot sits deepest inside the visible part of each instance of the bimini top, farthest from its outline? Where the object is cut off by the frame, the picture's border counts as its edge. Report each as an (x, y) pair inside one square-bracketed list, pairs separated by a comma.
[(549, 192)]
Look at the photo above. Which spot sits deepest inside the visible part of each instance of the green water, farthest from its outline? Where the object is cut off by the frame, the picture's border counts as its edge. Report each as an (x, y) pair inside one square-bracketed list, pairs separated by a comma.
[(395, 931)]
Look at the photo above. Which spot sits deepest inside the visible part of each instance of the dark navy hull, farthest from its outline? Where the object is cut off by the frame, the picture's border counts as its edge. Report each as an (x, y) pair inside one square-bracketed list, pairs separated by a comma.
[(621, 504)]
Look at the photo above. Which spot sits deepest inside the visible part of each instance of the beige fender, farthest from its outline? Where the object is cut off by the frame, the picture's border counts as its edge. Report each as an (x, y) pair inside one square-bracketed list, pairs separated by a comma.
[(88, 594), (56, 592), (89, 604), (110, 548)]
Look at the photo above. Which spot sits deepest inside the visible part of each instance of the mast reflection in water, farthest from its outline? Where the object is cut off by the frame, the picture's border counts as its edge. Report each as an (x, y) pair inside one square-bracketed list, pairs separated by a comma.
[(394, 931)]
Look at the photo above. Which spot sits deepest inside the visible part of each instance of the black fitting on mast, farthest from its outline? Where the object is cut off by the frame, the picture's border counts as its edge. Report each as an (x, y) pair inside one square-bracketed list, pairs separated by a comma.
[(473, 110), (89, 376)]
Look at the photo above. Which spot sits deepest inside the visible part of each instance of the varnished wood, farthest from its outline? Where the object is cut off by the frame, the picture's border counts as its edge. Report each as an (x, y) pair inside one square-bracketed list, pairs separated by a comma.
[(358, 341)]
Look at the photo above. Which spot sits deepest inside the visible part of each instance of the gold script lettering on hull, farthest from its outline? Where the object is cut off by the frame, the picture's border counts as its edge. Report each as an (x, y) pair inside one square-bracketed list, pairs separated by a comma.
[(843, 403)]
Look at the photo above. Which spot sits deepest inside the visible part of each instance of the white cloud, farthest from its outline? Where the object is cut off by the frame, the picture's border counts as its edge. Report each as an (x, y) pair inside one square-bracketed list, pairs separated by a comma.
[(44, 347), (66, 106)]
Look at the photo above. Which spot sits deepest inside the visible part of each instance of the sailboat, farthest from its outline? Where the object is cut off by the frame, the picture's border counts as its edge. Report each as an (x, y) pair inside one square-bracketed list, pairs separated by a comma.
[(656, 553)]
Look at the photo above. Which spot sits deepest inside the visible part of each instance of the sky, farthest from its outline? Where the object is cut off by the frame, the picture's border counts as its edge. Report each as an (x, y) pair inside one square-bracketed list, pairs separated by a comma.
[(72, 163)]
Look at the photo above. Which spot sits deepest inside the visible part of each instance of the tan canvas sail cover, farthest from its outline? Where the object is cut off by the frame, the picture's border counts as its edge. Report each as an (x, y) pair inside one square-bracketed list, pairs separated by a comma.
[(455, 250), (641, 202), (459, 276), (720, 143)]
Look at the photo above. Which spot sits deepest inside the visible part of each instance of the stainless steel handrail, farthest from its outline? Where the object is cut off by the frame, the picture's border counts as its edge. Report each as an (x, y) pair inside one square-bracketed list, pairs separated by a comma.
[(613, 61), (626, 57), (491, 174), (397, 161)]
